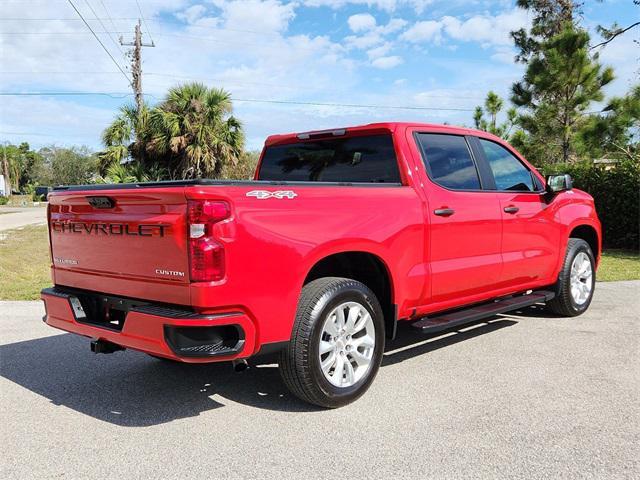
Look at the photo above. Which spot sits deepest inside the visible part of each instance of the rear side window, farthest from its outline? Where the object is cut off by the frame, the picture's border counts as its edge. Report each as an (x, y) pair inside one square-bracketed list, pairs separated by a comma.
[(448, 161), (508, 171), (356, 159)]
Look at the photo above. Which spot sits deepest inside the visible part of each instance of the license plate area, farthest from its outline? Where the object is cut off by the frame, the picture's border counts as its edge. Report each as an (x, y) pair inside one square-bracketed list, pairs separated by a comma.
[(102, 311)]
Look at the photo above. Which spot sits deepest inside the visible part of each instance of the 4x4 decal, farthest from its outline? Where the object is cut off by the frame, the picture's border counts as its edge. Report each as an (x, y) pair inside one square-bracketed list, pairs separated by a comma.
[(279, 194)]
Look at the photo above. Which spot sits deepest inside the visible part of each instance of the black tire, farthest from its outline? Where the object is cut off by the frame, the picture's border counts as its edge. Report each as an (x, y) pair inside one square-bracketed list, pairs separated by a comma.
[(300, 363), (563, 303)]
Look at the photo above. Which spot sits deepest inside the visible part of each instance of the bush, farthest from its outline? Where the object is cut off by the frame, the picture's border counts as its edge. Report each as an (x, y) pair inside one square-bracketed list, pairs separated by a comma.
[(615, 191), (4, 200)]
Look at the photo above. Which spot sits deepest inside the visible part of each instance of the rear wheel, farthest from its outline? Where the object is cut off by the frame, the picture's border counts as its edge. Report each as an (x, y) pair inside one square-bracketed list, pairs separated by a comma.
[(576, 282), (336, 344)]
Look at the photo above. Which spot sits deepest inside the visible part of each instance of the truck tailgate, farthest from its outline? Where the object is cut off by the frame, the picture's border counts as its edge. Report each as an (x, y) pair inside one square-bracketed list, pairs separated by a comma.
[(123, 242)]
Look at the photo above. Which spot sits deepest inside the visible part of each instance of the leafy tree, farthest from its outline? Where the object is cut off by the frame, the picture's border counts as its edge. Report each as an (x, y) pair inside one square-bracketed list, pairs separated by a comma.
[(193, 132), (493, 106), (549, 18), (68, 166), (24, 165), (561, 81), (243, 169)]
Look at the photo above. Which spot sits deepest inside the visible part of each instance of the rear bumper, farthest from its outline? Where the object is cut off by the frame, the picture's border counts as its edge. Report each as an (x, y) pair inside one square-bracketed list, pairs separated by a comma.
[(158, 330)]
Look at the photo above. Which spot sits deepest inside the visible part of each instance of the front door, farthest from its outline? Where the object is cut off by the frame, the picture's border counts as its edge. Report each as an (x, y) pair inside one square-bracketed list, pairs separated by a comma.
[(464, 223), (530, 237)]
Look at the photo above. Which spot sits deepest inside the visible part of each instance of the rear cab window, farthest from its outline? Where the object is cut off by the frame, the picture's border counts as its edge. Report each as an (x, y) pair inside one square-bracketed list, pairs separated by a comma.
[(360, 159), (448, 161)]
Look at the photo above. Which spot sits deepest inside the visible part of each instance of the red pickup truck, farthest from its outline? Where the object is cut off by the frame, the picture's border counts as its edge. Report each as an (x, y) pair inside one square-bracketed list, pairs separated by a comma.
[(342, 234)]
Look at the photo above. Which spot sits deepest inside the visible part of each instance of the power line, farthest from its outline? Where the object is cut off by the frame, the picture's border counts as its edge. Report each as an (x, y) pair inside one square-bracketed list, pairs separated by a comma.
[(66, 94), (103, 26), (54, 33), (22, 19), (252, 100), (100, 42), (351, 105), (206, 78), (104, 7), (144, 20), (152, 20), (38, 134)]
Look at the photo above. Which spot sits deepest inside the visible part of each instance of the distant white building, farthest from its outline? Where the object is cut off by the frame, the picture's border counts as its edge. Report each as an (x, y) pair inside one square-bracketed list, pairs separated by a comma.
[(3, 187)]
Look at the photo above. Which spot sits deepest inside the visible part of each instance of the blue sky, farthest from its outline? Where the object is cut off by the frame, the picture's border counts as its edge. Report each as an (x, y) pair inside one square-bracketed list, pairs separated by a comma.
[(441, 56)]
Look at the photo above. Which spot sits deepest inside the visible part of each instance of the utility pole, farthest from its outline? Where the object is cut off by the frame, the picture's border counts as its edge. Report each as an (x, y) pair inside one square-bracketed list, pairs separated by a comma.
[(136, 63)]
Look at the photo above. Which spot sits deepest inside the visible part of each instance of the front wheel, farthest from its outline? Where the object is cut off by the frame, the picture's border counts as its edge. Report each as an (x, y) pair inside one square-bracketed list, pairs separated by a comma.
[(576, 282), (336, 344)]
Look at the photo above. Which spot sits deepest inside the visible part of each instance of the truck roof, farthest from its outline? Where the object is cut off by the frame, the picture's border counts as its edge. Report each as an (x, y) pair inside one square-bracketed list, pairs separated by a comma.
[(380, 126)]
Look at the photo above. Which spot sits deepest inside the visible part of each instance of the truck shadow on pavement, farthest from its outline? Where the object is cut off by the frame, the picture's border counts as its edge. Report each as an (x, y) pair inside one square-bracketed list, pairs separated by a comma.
[(134, 390)]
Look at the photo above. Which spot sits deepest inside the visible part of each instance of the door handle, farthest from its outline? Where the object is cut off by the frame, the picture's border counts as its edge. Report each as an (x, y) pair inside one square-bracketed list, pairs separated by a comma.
[(444, 212), (511, 209)]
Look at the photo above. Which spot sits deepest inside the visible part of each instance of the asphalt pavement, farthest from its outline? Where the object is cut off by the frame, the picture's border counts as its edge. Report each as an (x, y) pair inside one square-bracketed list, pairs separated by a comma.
[(526, 395), (11, 218)]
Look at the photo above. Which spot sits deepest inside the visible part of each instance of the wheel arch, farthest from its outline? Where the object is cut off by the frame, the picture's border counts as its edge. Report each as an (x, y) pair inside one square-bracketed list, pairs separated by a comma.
[(589, 234), (367, 268)]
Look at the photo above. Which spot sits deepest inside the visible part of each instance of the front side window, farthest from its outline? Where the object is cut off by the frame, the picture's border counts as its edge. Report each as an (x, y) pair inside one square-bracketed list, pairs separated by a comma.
[(370, 159), (448, 161), (508, 171)]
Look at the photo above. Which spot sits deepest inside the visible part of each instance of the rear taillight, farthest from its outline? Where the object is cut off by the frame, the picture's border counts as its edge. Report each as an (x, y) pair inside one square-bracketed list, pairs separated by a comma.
[(206, 254)]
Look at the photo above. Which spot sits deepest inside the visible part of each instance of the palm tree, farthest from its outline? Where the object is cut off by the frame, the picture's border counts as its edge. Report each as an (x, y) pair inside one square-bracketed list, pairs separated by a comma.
[(192, 132), (127, 136), (493, 104)]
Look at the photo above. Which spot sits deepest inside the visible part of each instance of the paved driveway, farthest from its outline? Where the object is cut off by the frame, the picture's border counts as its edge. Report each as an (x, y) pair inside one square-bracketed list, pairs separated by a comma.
[(522, 396), (11, 218)]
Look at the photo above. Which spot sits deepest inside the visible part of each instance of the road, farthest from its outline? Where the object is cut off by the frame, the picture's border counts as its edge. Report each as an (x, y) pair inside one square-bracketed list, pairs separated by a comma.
[(521, 396), (11, 218)]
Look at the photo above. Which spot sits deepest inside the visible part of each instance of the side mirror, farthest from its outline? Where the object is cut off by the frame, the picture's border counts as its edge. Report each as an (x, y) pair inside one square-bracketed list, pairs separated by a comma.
[(559, 183)]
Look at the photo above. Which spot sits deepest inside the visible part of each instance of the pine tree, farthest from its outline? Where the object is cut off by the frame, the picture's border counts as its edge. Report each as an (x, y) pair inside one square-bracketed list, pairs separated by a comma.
[(548, 19), (562, 80)]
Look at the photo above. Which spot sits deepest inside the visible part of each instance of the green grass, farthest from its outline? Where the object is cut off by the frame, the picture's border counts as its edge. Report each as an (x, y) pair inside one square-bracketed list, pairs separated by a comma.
[(619, 265), (24, 264)]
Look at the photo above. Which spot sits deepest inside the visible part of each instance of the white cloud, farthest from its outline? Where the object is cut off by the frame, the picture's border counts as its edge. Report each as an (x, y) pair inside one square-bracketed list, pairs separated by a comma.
[(375, 34), (386, 63), (269, 15), (386, 5), (394, 25), (378, 52), (504, 54), (486, 29), (361, 22), (367, 40), (191, 14), (425, 31)]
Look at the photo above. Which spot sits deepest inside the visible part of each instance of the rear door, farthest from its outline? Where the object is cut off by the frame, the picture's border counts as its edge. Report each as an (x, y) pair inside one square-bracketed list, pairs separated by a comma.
[(464, 221), (530, 237)]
